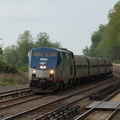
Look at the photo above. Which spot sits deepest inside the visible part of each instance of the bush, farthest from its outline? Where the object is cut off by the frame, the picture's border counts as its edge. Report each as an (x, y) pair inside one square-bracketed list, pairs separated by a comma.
[(24, 68), (1, 66), (117, 62), (7, 68)]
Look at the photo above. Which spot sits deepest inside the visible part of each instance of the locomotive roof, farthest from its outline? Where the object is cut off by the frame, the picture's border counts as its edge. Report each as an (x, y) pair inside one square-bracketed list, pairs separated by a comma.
[(56, 49)]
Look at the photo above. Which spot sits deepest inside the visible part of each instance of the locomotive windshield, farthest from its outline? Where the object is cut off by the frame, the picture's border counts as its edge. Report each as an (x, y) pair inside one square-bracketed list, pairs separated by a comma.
[(36, 54)]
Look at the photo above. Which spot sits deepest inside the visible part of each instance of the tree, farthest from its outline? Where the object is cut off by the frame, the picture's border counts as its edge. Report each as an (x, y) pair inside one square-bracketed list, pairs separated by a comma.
[(86, 51), (10, 55), (43, 40), (111, 38), (25, 44), (1, 51), (96, 38), (17, 54), (106, 41)]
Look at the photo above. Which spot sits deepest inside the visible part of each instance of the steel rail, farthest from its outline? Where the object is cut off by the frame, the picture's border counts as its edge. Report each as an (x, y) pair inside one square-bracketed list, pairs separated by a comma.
[(87, 113), (13, 91), (15, 99), (24, 101), (113, 113)]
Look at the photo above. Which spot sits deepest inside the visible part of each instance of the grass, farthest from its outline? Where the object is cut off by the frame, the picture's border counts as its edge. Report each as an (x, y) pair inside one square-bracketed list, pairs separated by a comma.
[(9, 79)]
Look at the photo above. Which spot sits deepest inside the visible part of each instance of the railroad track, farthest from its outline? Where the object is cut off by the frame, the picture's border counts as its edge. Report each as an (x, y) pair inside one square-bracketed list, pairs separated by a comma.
[(5, 104), (15, 93), (107, 113), (114, 113), (49, 108)]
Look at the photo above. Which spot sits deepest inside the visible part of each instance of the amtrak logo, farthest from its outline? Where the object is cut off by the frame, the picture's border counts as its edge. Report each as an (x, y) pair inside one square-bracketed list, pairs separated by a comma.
[(42, 63)]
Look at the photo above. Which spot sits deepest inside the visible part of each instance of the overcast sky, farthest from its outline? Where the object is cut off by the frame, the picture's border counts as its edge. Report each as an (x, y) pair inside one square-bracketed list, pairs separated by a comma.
[(70, 22)]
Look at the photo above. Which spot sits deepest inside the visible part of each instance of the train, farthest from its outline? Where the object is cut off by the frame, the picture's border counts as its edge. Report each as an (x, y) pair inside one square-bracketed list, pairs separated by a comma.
[(56, 68)]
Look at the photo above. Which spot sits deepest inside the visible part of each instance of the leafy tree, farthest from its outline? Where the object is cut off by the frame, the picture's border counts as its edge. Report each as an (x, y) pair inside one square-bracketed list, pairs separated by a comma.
[(17, 54), (1, 59), (86, 51), (10, 55), (43, 40), (111, 38), (96, 38), (1, 51), (106, 41), (25, 44)]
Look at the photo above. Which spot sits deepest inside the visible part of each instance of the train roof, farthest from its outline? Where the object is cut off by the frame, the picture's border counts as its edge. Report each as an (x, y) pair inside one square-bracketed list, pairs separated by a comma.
[(50, 48)]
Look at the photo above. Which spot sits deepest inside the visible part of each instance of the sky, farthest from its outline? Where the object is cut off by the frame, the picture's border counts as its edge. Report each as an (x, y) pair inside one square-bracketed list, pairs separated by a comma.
[(70, 22)]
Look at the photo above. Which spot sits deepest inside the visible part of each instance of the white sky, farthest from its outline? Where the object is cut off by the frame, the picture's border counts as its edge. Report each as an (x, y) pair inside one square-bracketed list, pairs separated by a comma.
[(70, 22)]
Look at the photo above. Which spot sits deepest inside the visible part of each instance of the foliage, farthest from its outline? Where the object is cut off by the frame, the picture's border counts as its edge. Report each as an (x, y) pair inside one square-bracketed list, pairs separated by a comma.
[(7, 68), (86, 51), (96, 38), (106, 41), (24, 68), (1, 51), (43, 40), (25, 44), (10, 54)]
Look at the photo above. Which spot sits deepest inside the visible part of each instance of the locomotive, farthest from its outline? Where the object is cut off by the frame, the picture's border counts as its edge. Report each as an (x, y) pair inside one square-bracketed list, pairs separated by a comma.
[(51, 69)]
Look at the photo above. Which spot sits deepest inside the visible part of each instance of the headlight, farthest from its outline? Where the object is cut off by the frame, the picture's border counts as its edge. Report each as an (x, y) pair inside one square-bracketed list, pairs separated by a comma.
[(42, 67), (51, 71), (34, 71)]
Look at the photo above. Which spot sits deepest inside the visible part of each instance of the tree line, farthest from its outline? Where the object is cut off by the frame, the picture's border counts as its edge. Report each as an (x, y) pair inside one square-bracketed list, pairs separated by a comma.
[(106, 40)]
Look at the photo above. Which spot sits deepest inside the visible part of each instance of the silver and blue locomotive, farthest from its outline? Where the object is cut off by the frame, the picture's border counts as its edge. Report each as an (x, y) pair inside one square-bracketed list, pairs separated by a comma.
[(51, 68)]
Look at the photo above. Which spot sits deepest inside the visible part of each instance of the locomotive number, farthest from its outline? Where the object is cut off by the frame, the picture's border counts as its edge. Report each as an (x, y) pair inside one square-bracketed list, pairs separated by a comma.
[(43, 59)]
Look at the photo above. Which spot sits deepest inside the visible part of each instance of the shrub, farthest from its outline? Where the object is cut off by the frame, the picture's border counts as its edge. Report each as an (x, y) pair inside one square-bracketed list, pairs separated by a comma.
[(7, 68), (24, 68)]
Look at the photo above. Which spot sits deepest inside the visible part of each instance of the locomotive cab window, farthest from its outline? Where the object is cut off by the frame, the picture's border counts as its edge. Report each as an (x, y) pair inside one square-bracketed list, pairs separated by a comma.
[(37, 54), (67, 55), (63, 55)]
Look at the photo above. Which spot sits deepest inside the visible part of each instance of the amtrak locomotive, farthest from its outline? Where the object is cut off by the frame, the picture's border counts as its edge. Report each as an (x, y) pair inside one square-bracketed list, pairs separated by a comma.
[(51, 69)]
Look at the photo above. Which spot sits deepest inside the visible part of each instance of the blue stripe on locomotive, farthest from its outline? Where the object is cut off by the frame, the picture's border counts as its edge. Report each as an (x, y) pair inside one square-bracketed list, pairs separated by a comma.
[(48, 61)]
